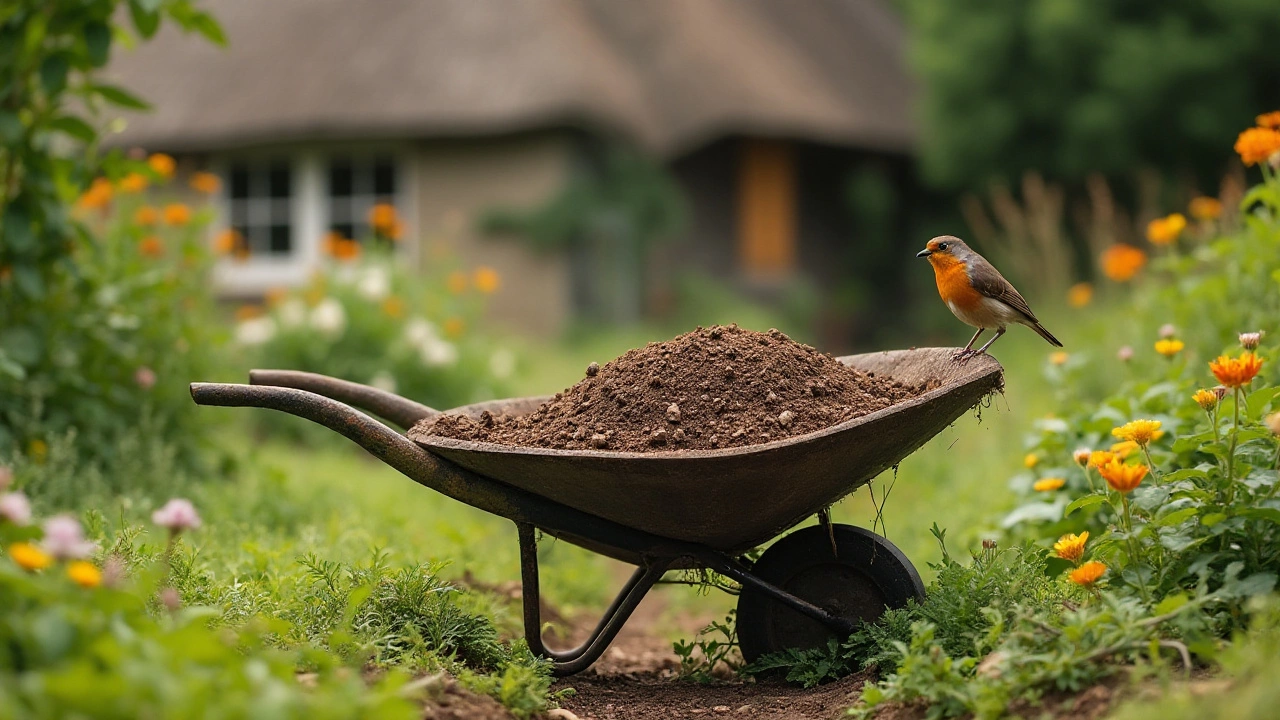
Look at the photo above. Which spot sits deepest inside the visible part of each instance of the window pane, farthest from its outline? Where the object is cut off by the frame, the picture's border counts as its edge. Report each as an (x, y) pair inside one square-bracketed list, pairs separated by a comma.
[(281, 239), (239, 181), (279, 180), (384, 178), (341, 180)]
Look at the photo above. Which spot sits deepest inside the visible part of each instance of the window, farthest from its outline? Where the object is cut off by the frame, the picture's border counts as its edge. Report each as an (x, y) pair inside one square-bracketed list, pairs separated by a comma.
[(355, 185), (260, 204)]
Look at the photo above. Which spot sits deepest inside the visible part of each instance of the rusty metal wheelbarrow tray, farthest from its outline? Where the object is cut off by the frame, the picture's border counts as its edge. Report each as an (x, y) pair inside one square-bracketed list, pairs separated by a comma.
[(659, 511)]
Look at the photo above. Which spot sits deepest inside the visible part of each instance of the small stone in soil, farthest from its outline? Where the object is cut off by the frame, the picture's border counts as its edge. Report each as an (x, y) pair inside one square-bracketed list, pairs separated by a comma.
[(785, 417), (673, 413), (592, 369), (599, 440)]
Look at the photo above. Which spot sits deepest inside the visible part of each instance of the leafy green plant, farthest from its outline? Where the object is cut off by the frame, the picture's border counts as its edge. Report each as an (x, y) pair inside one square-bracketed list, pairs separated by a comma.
[(714, 646)]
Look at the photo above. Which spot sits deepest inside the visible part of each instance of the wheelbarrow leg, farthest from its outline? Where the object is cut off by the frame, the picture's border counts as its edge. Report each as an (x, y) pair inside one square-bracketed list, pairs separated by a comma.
[(568, 662)]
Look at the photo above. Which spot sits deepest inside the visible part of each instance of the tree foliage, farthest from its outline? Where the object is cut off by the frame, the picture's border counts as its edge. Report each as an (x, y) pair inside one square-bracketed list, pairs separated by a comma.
[(1070, 87)]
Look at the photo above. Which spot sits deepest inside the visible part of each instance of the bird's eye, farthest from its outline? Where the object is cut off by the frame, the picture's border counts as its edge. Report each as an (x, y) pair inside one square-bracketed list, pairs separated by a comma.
[(942, 246)]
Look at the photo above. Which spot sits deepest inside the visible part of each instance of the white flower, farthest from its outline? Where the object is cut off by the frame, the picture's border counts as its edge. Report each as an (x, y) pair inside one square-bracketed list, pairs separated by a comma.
[(255, 331), (15, 508), (177, 515), (419, 330), (293, 313), (502, 363), (374, 283), (64, 538), (328, 317), (384, 381), (438, 353)]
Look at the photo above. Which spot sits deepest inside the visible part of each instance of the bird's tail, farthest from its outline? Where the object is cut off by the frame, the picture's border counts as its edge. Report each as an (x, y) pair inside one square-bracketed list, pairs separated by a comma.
[(1045, 334)]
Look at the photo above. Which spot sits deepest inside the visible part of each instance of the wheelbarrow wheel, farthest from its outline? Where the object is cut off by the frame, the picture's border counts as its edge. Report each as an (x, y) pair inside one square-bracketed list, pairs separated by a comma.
[(865, 575)]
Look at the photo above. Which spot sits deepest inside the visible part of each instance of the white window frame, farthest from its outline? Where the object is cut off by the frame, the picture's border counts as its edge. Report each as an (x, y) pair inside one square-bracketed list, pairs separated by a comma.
[(308, 216)]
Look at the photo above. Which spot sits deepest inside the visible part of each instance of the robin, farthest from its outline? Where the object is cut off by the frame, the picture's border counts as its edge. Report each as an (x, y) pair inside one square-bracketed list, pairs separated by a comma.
[(977, 293)]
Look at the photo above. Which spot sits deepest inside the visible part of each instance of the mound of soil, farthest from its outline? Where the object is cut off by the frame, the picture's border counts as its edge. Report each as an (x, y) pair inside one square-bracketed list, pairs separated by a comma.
[(716, 387)]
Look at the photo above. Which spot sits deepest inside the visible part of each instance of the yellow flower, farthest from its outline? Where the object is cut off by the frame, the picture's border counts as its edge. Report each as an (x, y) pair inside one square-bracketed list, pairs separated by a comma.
[(151, 247), (84, 574), (1071, 546), (205, 182), (1088, 573), (1121, 477), (1205, 208), (1269, 120), (1206, 399), (177, 214), (1123, 449), (453, 327), (1257, 144), (133, 183), (1163, 231), (1236, 372), (29, 557), (1169, 347), (97, 195), (1030, 460), (1098, 458), (38, 450), (457, 282), (1121, 262), (1273, 423), (1079, 295), (146, 215), (487, 280), (1059, 358), (1048, 484), (393, 307), (161, 165), (1138, 431)]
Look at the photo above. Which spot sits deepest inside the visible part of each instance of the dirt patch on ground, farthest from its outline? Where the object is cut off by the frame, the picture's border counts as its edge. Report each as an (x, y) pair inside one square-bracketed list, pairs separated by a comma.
[(716, 387)]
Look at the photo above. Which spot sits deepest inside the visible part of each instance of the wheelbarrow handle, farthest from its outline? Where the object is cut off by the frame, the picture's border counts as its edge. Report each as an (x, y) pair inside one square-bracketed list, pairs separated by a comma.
[(400, 411)]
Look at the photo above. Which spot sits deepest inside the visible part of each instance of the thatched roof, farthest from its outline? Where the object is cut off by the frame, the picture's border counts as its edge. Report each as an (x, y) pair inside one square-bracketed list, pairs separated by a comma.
[(670, 74)]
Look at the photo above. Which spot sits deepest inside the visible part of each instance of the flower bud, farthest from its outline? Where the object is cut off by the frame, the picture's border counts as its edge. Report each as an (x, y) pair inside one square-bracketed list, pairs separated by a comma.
[(1125, 353), (1250, 340), (1206, 399), (1168, 330), (1220, 391), (1081, 456)]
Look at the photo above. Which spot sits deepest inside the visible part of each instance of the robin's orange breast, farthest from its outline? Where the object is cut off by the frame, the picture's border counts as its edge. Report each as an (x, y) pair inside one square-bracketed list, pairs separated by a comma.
[(953, 283)]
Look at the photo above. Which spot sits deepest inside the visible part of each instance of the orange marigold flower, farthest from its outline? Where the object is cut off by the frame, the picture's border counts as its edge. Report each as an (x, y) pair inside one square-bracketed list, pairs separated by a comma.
[(161, 165), (1048, 484), (383, 218), (1121, 262), (84, 574), (1121, 477), (1141, 432), (1059, 358), (151, 246), (1269, 120), (1169, 347), (1205, 208), (205, 182), (29, 557), (1236, 372), (1123, 449), (134, 183), (1163, 231), (487, 279), (1080, 295), (393, 307), (248, 312), (227, 241), (341, 248), (1088, 573), (454, 326), (274, 296), (1257, 144), (1071, 546), (146, 215), (1030, 460), (177, 214), (458, 282), (97, 195), (1206, 399)]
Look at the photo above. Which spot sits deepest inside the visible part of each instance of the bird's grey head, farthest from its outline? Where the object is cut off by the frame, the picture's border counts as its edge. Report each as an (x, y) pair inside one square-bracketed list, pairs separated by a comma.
[(946, 245)]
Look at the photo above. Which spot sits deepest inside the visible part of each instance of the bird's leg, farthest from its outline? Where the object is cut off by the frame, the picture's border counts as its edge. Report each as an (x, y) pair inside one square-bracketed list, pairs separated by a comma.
[(983, 349), (968, 349)]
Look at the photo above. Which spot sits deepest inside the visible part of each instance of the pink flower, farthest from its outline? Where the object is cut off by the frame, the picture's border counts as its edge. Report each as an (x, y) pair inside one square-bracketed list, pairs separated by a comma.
[(1168, 330), (1250, 340), (6, 477), (145, 377), (177, 515), (1125, 354), (64, 538), (15, 508)]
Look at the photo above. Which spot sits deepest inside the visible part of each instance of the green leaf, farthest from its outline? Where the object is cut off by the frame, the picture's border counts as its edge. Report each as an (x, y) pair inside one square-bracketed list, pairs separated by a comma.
[(1261, 513), (119, 96), (75, 127), (1176, 516), (16, 228), (1184, 474), (1084, 502), (97, 38), (11, 128), (21, 344), (1212, 519), (204, 24), (53, 73), (1171, 603), (1259, 399), (145, 19), (28, 281)]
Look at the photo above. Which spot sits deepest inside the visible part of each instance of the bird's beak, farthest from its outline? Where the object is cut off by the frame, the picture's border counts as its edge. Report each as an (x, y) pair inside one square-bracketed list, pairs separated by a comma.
[(924, 253)]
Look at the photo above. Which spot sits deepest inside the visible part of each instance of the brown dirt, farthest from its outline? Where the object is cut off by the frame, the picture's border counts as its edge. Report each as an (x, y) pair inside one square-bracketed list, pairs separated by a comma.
[(716, 387)]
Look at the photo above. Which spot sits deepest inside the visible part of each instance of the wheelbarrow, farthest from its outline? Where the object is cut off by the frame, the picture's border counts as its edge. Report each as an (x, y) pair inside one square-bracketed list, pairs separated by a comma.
[(661, 511)]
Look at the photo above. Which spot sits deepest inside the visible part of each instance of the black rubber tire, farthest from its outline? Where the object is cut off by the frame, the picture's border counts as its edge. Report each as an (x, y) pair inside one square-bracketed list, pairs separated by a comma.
[(866, 575)]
